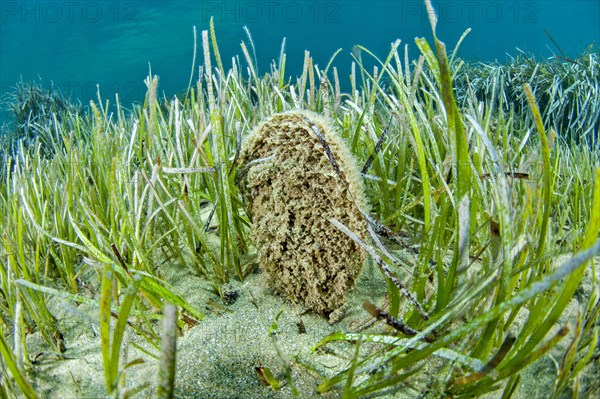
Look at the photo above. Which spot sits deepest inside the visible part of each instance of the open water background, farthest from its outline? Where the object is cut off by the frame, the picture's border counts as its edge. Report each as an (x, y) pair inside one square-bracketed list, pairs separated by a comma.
[(78, 45)]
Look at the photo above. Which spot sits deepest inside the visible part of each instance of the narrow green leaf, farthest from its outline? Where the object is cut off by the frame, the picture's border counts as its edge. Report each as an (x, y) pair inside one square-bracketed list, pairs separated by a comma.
[(105, 313), (119, 330), (17, 374)]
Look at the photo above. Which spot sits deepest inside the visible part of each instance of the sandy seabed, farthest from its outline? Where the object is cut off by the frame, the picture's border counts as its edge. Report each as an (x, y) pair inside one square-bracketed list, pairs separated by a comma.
[(218, 357)]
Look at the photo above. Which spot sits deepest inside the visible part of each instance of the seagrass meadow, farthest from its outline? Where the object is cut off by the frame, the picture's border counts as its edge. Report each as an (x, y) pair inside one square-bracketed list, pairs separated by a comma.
[(129, 267)]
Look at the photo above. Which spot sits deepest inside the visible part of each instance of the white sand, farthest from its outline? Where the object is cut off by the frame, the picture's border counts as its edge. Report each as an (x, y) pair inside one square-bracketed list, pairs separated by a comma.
[(217, 358)]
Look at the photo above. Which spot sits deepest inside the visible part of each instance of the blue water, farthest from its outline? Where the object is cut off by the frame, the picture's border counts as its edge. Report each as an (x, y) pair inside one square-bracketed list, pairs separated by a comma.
[(79, 44)]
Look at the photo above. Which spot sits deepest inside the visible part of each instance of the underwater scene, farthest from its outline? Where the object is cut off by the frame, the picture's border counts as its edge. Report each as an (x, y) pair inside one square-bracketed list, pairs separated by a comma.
[(300, 199)]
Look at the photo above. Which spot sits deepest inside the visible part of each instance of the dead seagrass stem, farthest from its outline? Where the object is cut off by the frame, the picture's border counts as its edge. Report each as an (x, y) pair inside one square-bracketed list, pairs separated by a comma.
[(299, 175)]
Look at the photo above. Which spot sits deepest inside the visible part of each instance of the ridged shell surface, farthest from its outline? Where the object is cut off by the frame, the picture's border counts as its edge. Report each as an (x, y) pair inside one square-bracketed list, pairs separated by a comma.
[(294, 184)]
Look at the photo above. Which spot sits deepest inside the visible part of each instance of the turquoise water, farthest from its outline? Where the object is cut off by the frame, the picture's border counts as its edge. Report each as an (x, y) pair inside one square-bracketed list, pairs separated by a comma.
[(77, 45)]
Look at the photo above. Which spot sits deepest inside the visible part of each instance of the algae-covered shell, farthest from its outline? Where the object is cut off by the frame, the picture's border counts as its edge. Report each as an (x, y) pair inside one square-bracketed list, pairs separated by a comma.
[(300, 173)]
